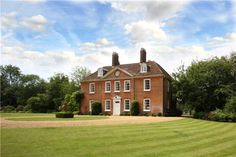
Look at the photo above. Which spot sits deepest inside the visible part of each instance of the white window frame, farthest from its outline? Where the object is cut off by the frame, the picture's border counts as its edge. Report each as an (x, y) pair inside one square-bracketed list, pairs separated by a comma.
[(144, 85), (106, 91), (100, 72), (90, 105), (144, 108), (125, 90), (90, 88), (107, 100), (115, 86), (143, 68), (125, 104)]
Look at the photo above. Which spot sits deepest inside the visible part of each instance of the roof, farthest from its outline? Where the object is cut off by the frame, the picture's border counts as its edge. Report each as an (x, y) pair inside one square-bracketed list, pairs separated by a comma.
[(133, 69)]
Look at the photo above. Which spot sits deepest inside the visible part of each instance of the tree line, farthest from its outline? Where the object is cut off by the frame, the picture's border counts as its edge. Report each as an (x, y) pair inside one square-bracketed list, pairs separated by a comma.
[(31, 93), (207, 87)]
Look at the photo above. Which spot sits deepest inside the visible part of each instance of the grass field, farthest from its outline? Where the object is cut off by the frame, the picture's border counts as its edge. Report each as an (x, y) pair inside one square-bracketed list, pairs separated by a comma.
[(45, 117), (181, 138)]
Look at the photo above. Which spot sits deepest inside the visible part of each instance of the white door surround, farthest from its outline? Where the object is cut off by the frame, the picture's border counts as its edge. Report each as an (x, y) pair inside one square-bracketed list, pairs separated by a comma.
[(116, 105)]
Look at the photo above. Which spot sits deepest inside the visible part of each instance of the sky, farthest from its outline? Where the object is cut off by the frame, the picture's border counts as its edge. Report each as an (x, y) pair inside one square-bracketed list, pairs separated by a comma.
[(45, 37)]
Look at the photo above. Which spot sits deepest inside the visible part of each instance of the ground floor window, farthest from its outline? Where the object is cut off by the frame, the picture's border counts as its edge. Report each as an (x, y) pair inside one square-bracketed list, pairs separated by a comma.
[(127, 105), (107, 105), (146, 104)]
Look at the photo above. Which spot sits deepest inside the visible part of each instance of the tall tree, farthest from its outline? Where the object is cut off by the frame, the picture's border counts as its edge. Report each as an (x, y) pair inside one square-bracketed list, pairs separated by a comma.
[(10, 78), (78, 74)]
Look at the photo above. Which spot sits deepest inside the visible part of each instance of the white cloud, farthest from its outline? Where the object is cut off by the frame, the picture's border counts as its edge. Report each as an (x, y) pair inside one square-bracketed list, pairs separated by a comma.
[(34, 1), (151, 9), (36, 23), (8, 20), (142, 31), (227, 40)]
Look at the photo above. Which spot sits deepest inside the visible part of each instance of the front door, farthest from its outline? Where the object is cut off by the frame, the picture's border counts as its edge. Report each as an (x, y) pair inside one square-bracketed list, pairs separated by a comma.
[(116, 107)]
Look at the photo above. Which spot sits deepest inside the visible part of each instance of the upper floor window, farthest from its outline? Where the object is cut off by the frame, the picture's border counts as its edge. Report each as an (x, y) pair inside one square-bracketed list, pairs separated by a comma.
[(146, 104), (117, 86), (107, 105), (127, 85), (107, 86), (147, 84), (127, 105), (100, 72), (91, 87), (143, 67)]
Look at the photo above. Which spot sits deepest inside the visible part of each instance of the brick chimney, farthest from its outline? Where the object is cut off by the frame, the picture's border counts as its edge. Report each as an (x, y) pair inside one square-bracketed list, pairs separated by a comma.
[(115, 59), (142, 55)]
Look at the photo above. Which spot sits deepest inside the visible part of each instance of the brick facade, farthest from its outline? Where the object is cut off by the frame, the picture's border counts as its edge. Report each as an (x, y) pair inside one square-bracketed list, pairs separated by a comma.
[(157, 95)]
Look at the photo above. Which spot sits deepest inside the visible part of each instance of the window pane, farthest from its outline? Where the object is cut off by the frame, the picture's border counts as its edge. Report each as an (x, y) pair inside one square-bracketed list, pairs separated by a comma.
[(127, 85), (127, 105)]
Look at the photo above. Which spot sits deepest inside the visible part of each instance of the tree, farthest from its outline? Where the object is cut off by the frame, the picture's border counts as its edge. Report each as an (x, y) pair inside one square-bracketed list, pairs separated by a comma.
[(205, 85), (30, 85), (58, 87), (78, 74), (10, 76)]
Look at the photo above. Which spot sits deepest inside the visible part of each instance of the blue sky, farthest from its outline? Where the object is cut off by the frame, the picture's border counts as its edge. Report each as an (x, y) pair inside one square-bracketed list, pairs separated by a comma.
[(49, 36)]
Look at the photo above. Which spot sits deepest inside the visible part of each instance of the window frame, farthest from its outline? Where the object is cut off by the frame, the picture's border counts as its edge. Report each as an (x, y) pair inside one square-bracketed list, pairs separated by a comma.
[(125, 104), (125, 90), (144, 85), (115, 86), (144, 104), (106, 91), (143, 68), (90, 88), (106, 105)]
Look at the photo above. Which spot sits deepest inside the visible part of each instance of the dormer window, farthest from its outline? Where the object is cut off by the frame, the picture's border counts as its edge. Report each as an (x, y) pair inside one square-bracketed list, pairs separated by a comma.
[(143, 67), (100, 72)]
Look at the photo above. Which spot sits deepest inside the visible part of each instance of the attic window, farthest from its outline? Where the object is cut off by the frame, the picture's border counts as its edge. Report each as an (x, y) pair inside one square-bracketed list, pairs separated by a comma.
[(143, 68), (100, 72)]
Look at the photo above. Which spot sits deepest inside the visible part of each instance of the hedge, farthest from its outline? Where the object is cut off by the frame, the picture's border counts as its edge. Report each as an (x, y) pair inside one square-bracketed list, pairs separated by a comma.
[(134, 108), (96, 108), (64, 115)]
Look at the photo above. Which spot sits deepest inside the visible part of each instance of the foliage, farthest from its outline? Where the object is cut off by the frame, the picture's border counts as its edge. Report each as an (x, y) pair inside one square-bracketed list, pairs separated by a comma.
[(134, 111), (8, 108), (38, 103), (230, 106), (125, 114), (19, 108), (96, 108), (78, 74), (205, 85), (64, 115)]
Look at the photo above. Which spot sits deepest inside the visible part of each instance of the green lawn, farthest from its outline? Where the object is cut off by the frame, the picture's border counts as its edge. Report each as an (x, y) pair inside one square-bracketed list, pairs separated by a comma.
[(182, 138), (46, 117)]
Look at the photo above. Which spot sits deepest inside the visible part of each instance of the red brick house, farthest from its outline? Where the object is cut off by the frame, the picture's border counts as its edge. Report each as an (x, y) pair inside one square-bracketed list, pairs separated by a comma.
[(118, 85)]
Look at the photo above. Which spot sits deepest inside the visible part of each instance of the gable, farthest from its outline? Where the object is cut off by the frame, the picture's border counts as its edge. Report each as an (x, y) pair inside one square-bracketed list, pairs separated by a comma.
[(117, 73)]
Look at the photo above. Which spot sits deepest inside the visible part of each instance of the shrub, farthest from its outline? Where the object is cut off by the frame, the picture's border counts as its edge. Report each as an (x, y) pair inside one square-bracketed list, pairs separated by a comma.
[(230, 106), (144, 114), (159, 114), (19, 108), (199, 115), (125, 114), (96, 108), (8, 108), (27, 108), (134, 108), (64, 115)]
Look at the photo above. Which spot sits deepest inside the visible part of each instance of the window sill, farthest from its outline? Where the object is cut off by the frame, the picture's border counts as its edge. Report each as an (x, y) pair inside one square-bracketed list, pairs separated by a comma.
[(107, 110), (107, 91), (126, 90), (147, 90), (127, 110), (91, 92), (117, 91), (146, 110)]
